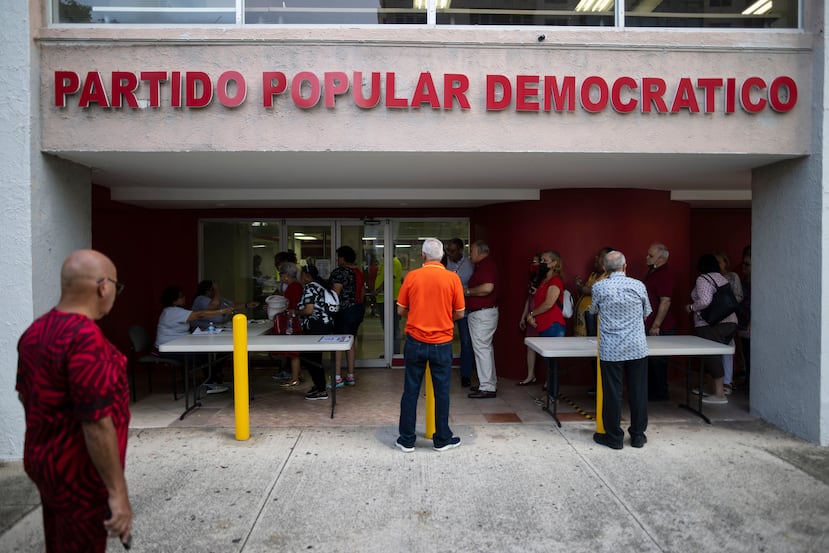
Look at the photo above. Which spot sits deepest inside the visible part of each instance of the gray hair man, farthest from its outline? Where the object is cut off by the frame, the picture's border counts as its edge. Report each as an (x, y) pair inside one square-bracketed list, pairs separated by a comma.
[(432, 299), (482, 313), (660, 283), (622, 304)]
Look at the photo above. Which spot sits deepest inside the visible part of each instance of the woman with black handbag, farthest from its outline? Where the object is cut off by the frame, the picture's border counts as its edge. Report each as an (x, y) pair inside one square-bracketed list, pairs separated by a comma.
[(714, 319)]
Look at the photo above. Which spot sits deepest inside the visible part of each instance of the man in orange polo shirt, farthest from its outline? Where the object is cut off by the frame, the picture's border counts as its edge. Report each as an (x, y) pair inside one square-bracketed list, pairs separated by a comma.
[(432, 298)]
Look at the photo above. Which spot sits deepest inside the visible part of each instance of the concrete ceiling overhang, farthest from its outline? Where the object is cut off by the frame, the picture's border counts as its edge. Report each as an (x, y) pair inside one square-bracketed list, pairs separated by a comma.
[(198, 180)]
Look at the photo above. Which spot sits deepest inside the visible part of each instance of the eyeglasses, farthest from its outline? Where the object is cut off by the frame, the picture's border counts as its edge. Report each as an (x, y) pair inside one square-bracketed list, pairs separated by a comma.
[(119, 287)]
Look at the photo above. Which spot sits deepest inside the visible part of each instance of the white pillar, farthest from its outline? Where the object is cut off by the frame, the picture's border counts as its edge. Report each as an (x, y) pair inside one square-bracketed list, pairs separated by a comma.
[(45, 213), (790, 281)]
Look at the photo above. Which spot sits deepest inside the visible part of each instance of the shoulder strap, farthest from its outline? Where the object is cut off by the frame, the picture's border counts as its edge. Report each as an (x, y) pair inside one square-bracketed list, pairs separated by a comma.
[(711, 280)]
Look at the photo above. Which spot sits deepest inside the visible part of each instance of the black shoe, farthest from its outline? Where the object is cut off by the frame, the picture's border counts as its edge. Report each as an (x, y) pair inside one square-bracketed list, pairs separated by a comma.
[(605, 440), (465, 382), (473, 388), (481, 394), (638, 441)]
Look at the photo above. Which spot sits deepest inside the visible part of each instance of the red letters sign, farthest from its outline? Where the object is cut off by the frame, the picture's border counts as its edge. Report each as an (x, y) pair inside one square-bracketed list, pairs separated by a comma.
[(534, 93)]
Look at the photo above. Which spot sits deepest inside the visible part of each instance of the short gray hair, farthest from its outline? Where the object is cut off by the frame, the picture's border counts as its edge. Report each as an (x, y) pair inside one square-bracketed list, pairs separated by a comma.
[(289, 269), (432, 249), (481, 246), (614, 261), (662, 249)]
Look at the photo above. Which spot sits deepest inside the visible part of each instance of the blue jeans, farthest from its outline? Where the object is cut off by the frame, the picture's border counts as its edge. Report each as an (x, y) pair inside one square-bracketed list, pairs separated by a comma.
[(467, 355), (439, 357)]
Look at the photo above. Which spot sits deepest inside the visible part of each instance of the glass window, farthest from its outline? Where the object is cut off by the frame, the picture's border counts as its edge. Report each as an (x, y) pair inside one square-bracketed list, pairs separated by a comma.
[(738, 14), (164, 12), (526, 12), (240, 255), (638, 13), (334, 12)]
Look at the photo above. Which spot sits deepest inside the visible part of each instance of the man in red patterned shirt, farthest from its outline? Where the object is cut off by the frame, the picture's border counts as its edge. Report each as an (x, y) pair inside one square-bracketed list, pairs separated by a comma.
[(73, 385)]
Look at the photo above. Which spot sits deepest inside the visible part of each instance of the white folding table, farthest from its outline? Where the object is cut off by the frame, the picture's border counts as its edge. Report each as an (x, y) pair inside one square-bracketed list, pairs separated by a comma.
[(658, 346), (258, 341)]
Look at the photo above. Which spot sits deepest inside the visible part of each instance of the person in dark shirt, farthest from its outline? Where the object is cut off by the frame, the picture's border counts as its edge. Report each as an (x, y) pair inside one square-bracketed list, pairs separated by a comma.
[(660, 283)]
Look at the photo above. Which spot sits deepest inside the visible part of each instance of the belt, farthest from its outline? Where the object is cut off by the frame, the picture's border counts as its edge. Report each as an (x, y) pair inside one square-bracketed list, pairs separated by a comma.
[(481, 308)]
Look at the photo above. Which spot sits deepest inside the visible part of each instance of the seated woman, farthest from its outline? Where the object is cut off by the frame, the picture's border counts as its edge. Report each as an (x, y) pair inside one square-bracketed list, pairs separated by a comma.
[(174, 322), (315, 320), (208, 297)]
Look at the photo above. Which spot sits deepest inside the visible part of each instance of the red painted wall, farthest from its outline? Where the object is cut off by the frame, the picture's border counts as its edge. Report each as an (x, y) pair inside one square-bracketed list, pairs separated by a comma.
[(720, 230), (156, 248), (153, 249), (577, 223)]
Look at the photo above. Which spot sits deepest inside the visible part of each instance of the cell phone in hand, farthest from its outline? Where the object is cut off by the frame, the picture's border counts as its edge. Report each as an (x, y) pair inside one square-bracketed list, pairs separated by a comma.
[(128, 542)]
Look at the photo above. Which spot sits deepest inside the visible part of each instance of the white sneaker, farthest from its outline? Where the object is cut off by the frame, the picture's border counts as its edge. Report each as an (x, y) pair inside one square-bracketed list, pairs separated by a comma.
[(216, 388), (696, 392), (715, 400)]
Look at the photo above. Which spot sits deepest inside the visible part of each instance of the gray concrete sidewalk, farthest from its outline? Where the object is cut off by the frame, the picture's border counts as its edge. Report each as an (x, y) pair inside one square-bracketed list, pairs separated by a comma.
[(739, 486)]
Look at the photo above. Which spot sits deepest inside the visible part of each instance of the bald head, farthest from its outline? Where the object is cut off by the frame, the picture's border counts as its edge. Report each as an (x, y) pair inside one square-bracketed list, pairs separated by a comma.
[(87, 284)]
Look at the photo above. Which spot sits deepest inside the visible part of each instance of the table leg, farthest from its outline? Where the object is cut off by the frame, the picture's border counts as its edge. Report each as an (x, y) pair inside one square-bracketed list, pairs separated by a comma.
[(687, 404), (552, 391), (189, 372), (333, 382)]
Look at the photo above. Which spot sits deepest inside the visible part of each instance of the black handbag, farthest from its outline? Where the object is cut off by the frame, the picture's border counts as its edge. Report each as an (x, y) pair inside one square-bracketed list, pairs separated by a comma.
[(723, 303)]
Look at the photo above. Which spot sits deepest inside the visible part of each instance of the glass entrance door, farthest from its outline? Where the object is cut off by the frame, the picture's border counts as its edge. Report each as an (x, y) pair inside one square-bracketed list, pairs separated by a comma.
[(313, 243), (240, 254), (368, 238)]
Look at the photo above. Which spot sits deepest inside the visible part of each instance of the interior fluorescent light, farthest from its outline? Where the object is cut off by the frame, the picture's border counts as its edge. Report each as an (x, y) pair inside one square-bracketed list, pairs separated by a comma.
[(760, 7), (369, 238), (304, 238), (260, 246), (595, 6), (439, 4), (404, 245)]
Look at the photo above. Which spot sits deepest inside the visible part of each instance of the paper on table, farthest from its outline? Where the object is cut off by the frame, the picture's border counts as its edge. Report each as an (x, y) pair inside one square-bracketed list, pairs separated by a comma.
[(333, 339), (200, 331)]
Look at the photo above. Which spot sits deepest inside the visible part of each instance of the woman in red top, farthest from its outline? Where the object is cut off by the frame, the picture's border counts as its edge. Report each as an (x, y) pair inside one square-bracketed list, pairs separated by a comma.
[(546, 316)]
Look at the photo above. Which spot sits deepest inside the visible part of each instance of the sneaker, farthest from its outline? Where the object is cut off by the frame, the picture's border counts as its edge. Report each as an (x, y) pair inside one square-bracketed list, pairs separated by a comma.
[(714, 400), (727, 389), (696, 392), (216, 388), (284, 375), (401, 447), (340, 384), (316, 394), (453, 442), (289, 384), (350, 381)]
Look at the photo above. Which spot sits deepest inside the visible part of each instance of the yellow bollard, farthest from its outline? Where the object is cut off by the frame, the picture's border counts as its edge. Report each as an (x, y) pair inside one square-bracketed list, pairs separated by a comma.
[(599, 392), (240, 377), (430, 404)]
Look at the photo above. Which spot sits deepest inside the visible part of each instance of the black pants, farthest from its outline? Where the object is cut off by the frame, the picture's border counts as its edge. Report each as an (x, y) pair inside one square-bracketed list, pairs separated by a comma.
[(635, 372), (313, 359), (658, 374)]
